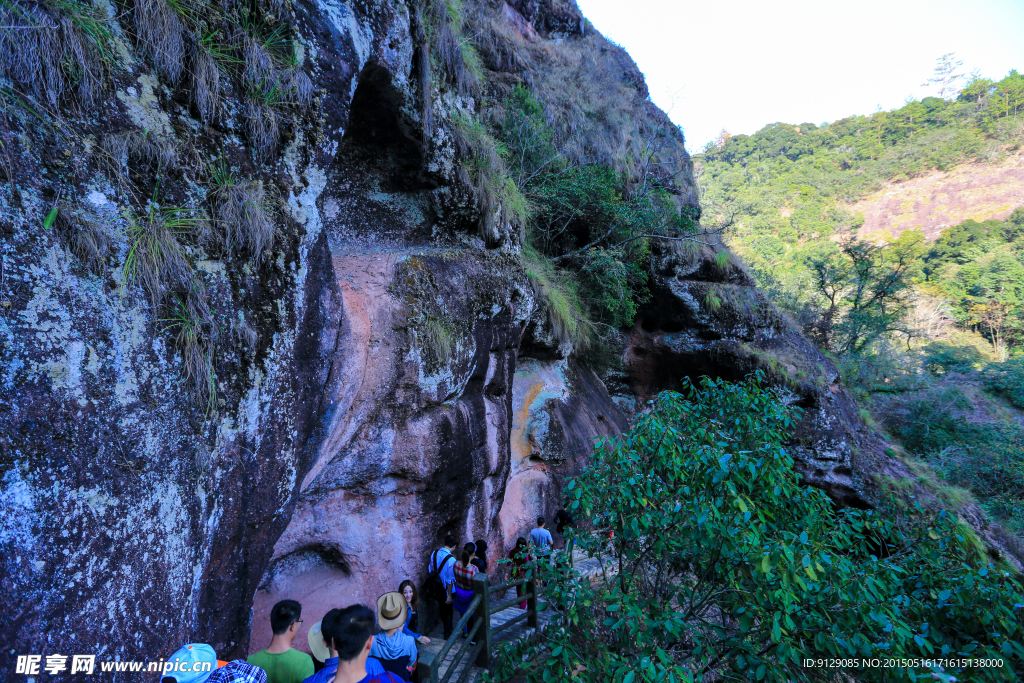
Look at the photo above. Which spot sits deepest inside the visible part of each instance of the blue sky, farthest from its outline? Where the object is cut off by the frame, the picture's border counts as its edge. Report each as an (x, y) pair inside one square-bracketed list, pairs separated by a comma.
[(741, 64)]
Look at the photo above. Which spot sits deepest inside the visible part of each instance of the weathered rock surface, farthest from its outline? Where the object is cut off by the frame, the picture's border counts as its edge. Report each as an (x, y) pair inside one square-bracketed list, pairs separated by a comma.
[(309, 424), (706, 317), (940, 200)]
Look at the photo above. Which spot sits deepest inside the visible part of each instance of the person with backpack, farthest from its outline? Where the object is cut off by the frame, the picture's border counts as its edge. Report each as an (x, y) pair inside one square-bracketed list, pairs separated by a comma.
[(440, 583)]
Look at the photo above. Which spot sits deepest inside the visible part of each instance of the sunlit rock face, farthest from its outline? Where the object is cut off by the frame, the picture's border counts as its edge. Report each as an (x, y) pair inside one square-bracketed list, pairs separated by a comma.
[(414, 445), (706, 317), (386, 376), (560, 408)]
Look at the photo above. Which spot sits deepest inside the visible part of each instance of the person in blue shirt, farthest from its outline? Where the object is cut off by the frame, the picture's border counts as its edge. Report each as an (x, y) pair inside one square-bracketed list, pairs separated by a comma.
[(443, 559), (348, 635), (395, 649), (541, 538), (408, 590)]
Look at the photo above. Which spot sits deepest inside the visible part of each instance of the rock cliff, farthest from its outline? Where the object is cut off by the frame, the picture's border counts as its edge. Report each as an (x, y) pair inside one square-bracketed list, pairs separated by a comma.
[(265, 330), (942, 199)]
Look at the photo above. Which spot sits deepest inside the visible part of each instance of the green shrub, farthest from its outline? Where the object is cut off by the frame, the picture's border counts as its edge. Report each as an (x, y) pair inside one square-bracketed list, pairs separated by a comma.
[(614, 286), (941, 357), (1006, 379), (725, 567)]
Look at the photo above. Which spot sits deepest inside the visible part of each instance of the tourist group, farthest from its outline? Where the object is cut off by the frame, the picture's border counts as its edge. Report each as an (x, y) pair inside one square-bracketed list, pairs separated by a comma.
[(344, 644)]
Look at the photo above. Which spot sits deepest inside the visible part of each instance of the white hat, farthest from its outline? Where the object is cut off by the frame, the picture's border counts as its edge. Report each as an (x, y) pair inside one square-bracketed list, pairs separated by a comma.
[(316, 643)]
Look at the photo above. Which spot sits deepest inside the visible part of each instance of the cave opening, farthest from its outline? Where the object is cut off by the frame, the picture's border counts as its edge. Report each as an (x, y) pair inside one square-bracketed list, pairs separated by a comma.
[(380, 137), (652, 371)]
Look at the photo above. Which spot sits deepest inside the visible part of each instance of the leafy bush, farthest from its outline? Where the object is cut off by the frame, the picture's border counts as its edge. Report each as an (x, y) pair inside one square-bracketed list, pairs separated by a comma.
[(614, 285), (1006, 379), (722, 566), (586, 218), (939, 424), (941, 357)]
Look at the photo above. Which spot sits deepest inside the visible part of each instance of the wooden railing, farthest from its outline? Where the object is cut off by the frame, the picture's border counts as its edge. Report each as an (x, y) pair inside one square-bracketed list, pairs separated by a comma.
[(480, 610)]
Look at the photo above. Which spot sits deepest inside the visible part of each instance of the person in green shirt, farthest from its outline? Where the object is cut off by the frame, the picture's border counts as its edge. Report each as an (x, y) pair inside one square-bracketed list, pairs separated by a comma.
[(280, 660)]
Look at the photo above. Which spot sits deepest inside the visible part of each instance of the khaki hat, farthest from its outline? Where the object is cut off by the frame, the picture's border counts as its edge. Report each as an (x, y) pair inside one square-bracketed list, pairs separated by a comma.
[(391, 609), (316, 643)]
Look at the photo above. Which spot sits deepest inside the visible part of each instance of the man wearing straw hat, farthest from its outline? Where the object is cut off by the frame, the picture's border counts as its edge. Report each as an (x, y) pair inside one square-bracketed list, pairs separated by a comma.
[(395, 649)]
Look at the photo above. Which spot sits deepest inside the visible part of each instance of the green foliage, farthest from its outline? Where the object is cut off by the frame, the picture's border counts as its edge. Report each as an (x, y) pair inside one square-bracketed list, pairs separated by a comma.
[(614, 286), (558, 291), (1007, 380), (863, 293), (583, 216), (498, 198), (439, 338), (942, 357), (788, 187), (723, 566), (944, 425)]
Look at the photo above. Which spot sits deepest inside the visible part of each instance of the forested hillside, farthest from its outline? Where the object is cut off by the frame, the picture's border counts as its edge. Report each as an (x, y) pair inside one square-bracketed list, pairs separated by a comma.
[(929, 333)]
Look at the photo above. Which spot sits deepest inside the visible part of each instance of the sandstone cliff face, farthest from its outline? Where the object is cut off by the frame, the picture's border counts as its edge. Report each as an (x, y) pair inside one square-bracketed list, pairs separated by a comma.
[(307, 421), (941, 200)]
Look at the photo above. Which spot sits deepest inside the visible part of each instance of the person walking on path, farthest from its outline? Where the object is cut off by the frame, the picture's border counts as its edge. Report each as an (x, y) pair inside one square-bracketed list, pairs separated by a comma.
[(442, 588), (395, 650), (563, 521), (282, 662), (464, 573), (348, 636), (480, 561), (521, 558), (541, 538), (412, 599)]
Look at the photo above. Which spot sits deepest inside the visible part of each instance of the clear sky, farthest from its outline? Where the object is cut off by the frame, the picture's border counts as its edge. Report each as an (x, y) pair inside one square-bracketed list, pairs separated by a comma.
[(741, 64)]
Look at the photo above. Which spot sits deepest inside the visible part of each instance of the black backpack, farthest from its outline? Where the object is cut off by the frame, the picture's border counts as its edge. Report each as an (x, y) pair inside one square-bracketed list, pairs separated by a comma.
[(434, 587), (397, 667)]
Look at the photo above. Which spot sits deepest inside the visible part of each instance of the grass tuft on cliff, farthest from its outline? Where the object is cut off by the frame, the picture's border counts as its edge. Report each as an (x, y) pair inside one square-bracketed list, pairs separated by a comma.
[(565, 310), (243, 215), (156, 257), (57, 47), (191, 321)]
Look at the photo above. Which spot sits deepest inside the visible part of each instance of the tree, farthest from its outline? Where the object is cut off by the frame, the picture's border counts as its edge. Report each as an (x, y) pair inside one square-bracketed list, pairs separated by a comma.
[(868, 293), (993, 315), (720, 565), (1010, 91), (945, 76), (977, 88)]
